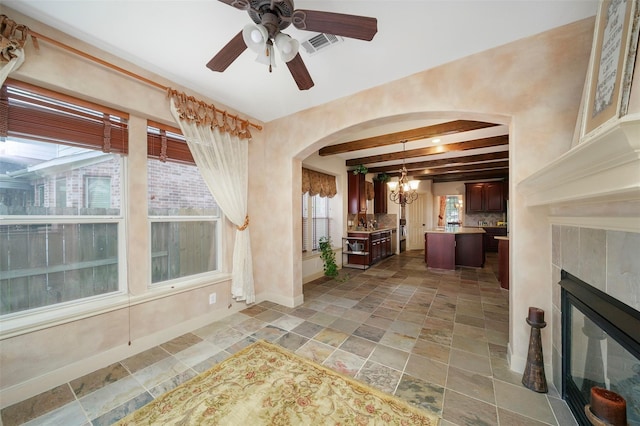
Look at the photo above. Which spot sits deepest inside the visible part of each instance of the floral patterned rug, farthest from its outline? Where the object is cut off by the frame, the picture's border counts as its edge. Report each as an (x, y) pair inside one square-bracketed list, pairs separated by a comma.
[(265, 384)]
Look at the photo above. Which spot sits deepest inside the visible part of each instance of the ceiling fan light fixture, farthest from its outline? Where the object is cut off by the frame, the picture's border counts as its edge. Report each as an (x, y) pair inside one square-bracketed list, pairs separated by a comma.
[(265, 56), (272, 16), (287, 46), (255, 37)]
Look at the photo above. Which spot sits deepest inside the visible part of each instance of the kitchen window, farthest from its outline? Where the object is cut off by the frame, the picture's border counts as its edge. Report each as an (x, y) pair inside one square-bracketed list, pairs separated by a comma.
[(316, 221), (453, 210)]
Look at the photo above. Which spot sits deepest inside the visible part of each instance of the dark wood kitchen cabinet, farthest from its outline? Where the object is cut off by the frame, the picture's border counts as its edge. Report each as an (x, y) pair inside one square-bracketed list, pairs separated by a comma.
[(503, 263), (380, 198), (484, 197), (490, 242), (470, 250), (378, 246), (445, 250), (440, 250), (357, 193)]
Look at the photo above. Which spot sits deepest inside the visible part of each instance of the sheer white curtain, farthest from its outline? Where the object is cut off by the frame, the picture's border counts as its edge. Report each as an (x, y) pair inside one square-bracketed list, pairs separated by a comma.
[(7, 68), (222, 158)]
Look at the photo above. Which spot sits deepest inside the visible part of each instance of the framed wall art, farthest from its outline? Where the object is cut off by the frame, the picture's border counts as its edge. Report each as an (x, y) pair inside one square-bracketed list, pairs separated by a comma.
[(611, 64)]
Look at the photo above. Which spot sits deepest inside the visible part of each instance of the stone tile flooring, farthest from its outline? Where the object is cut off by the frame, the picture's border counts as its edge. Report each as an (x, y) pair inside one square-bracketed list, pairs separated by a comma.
[(437, 339)]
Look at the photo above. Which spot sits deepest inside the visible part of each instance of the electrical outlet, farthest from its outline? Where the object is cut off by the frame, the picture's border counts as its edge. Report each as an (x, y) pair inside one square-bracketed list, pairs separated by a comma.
[(212, 298)]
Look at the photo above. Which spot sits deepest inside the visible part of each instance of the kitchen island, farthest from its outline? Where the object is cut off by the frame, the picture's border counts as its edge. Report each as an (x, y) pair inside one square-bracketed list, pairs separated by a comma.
[(503, 261), (454, 246)]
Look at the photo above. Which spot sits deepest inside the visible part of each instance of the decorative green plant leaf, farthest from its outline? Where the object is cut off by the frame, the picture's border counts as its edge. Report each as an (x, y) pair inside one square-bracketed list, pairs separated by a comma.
[(360, 169), (328, 256), (382, 177)]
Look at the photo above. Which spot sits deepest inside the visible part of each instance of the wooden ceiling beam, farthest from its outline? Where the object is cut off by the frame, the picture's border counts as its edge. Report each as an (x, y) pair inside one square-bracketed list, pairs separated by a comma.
[(496, 165), (501, 166), (467, 176), (432, 150), (442, 129), (500, 155)]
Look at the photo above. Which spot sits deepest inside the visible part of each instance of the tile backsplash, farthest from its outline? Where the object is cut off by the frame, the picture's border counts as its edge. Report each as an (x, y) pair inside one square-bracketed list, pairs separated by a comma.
[(487, 219), (382, 220)]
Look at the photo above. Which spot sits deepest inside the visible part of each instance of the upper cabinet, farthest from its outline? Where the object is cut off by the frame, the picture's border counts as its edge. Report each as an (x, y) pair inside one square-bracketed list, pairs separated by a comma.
[(484, 197), (380, 199), (357, 193)]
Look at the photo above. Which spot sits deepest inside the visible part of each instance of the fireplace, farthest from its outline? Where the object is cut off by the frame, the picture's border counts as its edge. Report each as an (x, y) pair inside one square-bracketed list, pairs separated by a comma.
[(600, 347)]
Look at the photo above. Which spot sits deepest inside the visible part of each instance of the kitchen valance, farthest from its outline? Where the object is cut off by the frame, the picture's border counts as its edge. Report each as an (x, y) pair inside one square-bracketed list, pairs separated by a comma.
[(318, 183), (369, 190)]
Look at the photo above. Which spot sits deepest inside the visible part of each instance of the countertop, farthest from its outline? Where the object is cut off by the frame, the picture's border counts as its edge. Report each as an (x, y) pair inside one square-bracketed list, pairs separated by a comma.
[(502, 238), (369, 231), (457, 230)]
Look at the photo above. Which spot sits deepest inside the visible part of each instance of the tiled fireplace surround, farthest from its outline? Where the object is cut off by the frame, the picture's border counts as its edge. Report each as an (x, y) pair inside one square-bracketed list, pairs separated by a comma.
[(606, 259)]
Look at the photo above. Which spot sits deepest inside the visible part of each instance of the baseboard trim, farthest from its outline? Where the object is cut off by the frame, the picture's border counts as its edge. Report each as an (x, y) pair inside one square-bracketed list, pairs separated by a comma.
[(52, 379), (289, 302)]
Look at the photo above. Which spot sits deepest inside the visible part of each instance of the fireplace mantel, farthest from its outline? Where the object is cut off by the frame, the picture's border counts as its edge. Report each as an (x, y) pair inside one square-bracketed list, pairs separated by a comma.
[(602, 169)]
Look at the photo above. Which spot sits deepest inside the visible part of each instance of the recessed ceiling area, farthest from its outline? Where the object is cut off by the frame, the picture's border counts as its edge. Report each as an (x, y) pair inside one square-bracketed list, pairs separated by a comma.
[(176, 38)]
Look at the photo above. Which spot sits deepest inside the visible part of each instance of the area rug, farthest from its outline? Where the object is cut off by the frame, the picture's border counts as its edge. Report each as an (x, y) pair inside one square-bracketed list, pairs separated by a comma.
[(264, 384)]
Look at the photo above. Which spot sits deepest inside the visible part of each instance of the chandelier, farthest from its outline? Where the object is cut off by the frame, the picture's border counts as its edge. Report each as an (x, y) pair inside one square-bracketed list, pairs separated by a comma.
[(403, 191)]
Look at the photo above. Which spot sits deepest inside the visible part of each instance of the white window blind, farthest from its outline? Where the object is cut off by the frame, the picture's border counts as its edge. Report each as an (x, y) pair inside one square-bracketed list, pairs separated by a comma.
[(315, 221)]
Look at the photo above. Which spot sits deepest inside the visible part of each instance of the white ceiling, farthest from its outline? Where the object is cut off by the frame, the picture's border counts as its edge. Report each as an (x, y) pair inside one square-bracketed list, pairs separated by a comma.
[(176, 38)]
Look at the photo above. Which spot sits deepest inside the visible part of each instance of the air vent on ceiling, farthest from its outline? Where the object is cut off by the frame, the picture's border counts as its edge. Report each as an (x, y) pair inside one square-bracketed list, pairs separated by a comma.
[(319, 42)]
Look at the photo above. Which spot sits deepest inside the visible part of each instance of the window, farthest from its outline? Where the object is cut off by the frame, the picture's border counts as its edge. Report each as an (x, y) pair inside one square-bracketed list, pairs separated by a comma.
[(453, 210), (61, 192), (53, 249), (97, 192), (185, 219), (40, 195), (315, 221)]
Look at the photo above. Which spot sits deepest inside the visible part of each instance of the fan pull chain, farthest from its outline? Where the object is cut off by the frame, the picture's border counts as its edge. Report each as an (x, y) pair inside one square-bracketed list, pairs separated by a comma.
[(269, 56)]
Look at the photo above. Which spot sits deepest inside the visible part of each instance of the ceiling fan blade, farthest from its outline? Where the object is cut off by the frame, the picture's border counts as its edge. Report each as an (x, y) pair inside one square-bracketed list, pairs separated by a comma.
[(238, 4), (228, 54), (352, 26), (300, 73)]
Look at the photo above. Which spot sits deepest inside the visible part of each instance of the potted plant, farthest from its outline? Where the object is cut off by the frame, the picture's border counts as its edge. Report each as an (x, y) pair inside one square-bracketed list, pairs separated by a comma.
[(382, 177), (360, 169), (328, 256)]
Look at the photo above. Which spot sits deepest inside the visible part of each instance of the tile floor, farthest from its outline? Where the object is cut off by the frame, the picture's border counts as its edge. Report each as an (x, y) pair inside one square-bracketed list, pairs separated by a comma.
[(434, 338)]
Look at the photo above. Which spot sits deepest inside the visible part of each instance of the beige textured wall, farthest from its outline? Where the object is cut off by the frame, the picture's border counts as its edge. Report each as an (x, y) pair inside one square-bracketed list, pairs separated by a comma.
[(534, 85), (58, 352)]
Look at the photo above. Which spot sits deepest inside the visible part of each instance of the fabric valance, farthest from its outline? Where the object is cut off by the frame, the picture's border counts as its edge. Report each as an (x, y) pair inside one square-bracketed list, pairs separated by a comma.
[(318, 183), (369, 191), (200, 113)]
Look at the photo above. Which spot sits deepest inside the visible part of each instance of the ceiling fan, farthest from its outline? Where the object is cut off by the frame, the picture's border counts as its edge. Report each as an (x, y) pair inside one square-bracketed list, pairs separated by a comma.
[(272, 16)]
